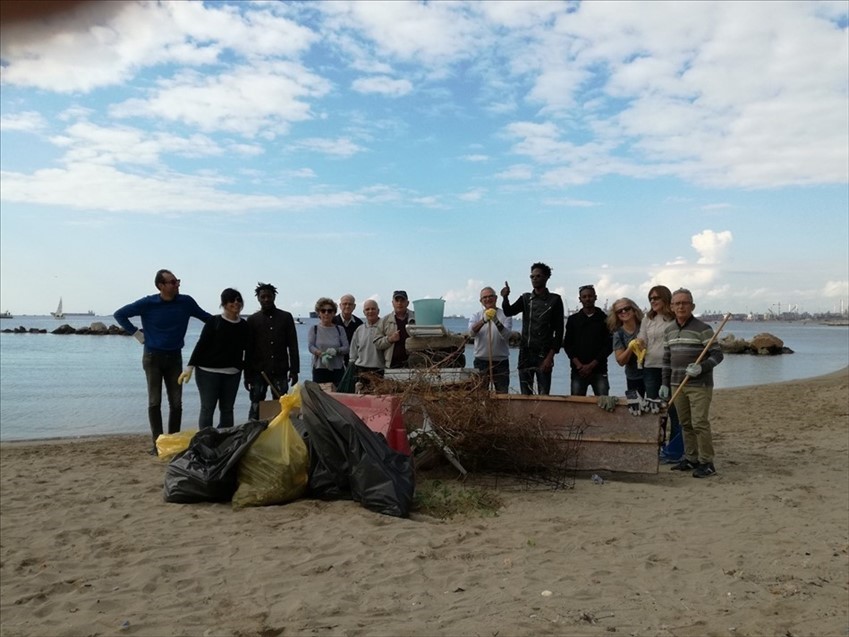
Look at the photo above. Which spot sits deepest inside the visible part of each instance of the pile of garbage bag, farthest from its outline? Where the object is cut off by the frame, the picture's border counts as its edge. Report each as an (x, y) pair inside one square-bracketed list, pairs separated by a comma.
[(328, 453)]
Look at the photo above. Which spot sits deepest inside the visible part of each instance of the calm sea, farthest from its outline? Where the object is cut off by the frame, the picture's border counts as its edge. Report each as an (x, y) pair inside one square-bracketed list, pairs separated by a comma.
[(63, 386)]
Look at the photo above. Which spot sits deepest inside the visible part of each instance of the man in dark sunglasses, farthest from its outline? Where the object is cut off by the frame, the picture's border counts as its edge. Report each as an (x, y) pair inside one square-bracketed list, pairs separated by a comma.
[(164, 321), (542, 329)]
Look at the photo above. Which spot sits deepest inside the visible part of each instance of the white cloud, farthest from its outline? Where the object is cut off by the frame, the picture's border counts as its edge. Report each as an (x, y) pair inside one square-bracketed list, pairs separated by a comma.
[(836, 290), (97, 187), (516, 172), (711, 246), (341, 147), (569, 203), (302, 173), (27, 122), (261, 98), (475, 158), (103, 43), (87, 142), (382, 85), (475, 194), (430, 34)]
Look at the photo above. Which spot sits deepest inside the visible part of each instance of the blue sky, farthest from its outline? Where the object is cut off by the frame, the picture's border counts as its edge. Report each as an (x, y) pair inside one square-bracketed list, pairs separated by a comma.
[(435, 147)]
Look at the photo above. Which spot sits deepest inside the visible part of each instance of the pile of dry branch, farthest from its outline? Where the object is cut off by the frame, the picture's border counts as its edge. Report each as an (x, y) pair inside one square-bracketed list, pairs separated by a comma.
[(473, 425)]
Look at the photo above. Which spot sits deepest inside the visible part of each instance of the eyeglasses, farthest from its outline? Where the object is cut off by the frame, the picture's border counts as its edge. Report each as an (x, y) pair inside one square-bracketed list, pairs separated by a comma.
[(624, 310), (488, 296), (327, 310), (172, 282), (654, 298), (681, 303)]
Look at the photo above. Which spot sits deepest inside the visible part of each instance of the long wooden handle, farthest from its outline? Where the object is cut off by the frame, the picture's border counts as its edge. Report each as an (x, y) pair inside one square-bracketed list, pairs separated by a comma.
[(701, 356)]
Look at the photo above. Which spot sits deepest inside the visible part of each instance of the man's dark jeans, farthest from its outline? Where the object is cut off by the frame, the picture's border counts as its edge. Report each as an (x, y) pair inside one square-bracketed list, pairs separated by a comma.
[(599, 383), (164, 367), (259, 390), (215, 388), (528, 369), (500, 373)]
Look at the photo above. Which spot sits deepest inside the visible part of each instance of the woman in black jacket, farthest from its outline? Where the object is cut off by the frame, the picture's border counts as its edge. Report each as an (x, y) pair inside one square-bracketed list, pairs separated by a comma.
[(219, 358)]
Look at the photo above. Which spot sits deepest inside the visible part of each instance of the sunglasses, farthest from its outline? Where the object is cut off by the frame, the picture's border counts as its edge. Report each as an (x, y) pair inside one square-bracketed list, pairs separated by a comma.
[(624, 310), (173, 282), (327, 310), (654, 298)]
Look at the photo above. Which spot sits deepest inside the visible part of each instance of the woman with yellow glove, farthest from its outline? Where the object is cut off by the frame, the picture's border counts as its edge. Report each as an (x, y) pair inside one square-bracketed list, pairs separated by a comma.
[(624, 323), (218, 360), (657, 319)]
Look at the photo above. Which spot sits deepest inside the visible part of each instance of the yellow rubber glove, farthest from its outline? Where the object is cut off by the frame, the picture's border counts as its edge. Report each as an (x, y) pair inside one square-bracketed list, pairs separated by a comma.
[(639, 352), (186, 376), (489, 315)]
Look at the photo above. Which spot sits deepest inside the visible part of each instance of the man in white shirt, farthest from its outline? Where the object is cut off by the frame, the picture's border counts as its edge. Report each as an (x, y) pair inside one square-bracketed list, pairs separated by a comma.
[(491, 330)]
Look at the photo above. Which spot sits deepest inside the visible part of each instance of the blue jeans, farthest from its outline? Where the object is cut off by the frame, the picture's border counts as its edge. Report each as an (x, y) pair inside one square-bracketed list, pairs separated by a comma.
[(164, 367), (500, 373), (638, 384), (215, 388), (599, 383)]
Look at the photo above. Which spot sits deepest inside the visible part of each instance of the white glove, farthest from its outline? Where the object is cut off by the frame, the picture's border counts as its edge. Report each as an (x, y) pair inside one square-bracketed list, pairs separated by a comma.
[(139, 336), (330, 351), (693, 370), (633, 398), (653, 405), (186, 376)]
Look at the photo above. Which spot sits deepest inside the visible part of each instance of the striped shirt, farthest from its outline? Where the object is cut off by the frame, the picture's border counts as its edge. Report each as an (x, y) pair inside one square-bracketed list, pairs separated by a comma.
[(682, 345)]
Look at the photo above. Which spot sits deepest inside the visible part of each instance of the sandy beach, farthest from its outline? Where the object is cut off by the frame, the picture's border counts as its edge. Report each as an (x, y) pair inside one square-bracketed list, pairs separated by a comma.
[(88, 547)]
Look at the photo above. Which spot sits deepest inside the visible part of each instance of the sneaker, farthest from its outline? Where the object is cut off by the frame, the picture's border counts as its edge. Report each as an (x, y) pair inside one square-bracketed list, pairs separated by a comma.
[(684, 465), (704, 470)]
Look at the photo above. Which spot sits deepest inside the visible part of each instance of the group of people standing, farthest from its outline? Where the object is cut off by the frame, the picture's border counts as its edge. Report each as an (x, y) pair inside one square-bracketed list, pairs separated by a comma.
[(658, 351), (667, 349), (263, 347)]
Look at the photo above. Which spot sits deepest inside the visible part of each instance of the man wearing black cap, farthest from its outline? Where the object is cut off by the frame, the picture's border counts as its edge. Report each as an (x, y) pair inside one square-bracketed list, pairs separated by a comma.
[(392, 334)]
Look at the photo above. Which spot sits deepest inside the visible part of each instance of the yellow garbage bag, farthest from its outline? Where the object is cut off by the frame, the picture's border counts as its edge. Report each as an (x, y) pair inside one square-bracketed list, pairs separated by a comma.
[(275, 468), (169, 445)]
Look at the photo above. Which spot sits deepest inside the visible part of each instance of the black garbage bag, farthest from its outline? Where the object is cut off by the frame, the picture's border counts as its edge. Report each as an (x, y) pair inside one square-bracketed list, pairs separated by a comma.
[(208, 470), (350, 461)]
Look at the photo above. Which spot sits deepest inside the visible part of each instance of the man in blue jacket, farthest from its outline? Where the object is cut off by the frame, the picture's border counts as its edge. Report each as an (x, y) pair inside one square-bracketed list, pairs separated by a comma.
[(164, 318)]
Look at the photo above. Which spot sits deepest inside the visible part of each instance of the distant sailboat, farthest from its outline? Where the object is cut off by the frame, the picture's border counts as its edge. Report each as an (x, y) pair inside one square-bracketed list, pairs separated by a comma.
[(58, 314)]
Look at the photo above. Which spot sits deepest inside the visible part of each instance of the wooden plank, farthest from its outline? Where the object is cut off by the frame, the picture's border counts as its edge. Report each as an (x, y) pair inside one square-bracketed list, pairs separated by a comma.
[(611, 441)]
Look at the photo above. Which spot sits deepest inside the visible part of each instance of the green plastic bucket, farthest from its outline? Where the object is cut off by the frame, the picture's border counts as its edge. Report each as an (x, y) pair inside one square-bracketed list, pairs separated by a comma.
[(429, 311)]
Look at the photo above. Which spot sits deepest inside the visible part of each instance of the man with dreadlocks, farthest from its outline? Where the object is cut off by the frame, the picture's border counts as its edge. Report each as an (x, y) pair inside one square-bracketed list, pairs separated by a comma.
[(272, 348)]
